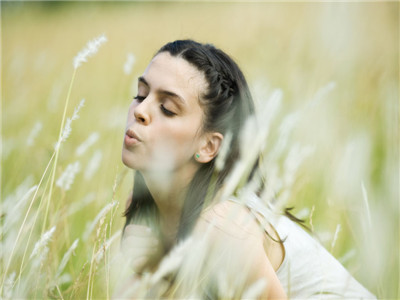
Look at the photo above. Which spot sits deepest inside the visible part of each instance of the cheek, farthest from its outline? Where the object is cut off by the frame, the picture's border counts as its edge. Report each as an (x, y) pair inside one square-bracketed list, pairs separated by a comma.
[(184, 135), (176, 144)]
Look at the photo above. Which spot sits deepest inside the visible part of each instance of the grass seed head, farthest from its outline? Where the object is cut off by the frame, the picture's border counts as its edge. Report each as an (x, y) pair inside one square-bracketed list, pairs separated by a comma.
[(41, 245), (91, 48), (91, 140), (67, 177), (129, 63)]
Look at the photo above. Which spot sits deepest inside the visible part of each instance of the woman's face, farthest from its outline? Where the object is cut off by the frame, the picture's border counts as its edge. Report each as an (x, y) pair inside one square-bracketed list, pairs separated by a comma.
[(165, 118)]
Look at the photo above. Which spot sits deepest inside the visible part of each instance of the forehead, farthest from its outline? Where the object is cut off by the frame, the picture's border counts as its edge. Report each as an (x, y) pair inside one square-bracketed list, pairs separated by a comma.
[(175, 74)]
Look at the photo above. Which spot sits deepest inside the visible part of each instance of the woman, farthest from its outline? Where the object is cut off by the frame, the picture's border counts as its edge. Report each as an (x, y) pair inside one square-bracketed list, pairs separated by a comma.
[(190, 98)]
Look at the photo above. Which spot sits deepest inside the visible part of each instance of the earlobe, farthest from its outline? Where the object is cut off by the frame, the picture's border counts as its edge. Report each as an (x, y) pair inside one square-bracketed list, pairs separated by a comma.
[(209, 147)]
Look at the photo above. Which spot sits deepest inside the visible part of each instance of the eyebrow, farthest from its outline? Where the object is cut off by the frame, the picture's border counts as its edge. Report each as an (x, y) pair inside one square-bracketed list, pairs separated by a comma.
[(165, 92)]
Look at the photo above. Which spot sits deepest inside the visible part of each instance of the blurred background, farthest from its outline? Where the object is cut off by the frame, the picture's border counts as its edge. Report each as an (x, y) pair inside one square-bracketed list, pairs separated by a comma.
[(335, 63)]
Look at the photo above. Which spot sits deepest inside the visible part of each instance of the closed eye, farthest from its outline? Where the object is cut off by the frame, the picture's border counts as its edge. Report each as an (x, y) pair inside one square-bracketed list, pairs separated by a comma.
[(139, 98), (166, 111)]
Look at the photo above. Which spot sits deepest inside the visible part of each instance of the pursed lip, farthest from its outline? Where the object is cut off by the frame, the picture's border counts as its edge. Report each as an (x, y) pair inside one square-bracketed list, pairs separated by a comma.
[(131, 138), (132, 135)]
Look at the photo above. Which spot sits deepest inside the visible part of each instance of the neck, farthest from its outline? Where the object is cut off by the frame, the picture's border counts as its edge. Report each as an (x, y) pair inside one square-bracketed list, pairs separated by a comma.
[(168, 190)]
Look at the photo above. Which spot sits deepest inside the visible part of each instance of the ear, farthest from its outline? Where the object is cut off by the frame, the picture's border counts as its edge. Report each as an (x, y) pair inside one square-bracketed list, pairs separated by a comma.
[(209, 147)]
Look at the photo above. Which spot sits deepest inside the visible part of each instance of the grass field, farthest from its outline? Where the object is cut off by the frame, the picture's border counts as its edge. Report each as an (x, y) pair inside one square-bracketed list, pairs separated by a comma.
[(337, 66)]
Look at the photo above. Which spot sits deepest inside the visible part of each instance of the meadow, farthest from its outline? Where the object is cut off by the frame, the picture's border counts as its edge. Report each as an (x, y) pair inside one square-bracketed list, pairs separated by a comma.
[(332, 148)]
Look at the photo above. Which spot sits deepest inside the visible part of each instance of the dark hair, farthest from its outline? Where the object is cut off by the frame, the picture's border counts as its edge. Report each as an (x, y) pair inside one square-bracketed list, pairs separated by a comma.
[(227, 104)]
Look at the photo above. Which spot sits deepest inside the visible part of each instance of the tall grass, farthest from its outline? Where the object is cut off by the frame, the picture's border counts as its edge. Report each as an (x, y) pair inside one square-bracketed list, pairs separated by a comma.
[(325, 77)]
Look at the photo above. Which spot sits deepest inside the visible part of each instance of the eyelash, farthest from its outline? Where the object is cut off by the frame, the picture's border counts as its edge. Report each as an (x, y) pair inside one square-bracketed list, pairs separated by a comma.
[(165, 111), (139, 98)]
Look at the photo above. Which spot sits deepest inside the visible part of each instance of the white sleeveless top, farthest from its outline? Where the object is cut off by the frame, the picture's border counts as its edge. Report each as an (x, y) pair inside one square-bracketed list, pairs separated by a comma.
[(308, 270)]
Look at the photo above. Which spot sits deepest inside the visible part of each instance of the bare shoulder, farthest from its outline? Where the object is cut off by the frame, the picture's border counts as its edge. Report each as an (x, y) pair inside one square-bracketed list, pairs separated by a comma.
[(237, 241), (231, 220)]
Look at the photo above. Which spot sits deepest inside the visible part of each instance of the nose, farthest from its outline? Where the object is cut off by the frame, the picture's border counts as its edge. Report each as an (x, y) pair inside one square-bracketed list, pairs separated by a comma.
[(142, 113)]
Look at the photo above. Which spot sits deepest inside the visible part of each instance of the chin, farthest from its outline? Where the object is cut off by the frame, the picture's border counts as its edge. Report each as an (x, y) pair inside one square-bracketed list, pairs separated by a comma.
[(129, 161)]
